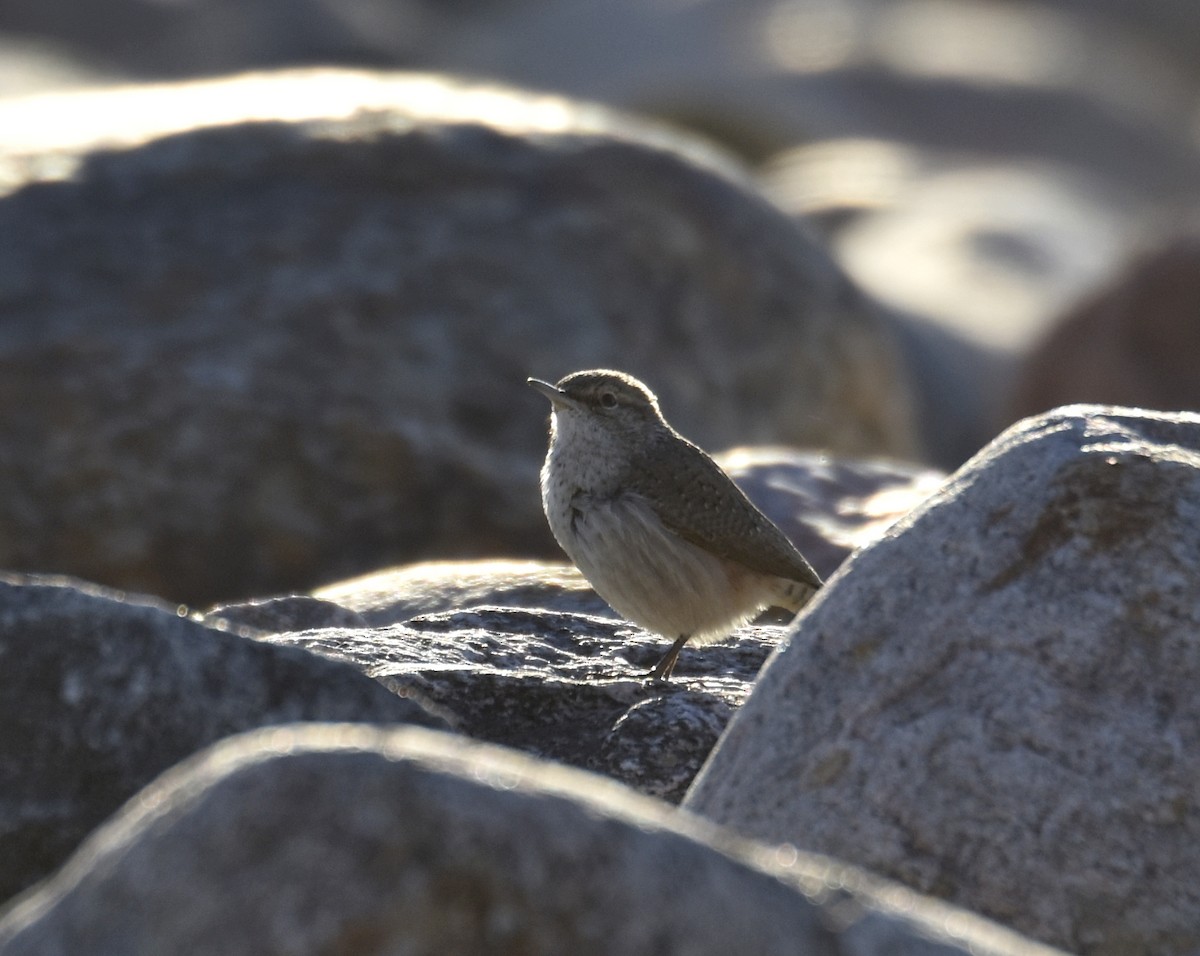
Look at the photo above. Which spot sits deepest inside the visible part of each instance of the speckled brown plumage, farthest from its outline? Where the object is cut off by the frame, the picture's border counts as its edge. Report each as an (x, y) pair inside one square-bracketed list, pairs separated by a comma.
[(712, 512)]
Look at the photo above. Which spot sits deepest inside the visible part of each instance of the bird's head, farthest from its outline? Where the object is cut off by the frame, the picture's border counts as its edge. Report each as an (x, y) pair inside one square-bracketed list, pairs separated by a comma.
[(601, 398)]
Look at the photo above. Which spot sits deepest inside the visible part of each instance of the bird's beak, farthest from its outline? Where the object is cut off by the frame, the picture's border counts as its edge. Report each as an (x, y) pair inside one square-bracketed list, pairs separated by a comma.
[(558, 398)]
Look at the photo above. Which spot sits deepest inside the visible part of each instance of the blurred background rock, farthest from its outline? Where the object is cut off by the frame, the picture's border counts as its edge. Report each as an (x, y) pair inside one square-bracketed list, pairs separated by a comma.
[(982, 169), (981, 165)]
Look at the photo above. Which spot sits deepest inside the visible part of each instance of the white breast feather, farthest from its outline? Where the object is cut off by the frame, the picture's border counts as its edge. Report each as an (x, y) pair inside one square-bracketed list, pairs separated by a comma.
[(656, 579), (647, 573)]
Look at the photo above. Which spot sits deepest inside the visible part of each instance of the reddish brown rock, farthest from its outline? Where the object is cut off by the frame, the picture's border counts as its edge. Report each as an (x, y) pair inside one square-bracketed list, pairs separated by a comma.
[(1133, 343)]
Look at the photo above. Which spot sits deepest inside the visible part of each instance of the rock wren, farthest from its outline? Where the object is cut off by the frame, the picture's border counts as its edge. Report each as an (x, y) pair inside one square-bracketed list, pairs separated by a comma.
[(653, 523)]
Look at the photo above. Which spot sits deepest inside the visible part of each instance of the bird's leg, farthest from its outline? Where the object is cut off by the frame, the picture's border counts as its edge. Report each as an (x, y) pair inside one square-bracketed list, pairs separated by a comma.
[(666, 664)]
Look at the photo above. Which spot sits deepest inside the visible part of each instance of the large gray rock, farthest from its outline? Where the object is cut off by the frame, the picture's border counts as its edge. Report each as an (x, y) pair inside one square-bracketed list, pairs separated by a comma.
[(347, 840), (994, 704), (101, 693), (282, 333)]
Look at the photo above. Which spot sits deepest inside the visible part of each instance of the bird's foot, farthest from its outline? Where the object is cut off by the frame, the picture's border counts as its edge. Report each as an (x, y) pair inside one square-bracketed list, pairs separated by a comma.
[(666, 664)]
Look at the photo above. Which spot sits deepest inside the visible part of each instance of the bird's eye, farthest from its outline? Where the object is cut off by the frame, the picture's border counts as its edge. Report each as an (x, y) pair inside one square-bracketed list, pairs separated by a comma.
[(608, 399)]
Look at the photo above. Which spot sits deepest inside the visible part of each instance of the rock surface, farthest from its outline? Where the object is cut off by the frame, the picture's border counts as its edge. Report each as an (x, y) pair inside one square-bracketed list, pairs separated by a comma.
[(562, 685), (348, 840), (279, 327), (1001, 690), (101, 693)]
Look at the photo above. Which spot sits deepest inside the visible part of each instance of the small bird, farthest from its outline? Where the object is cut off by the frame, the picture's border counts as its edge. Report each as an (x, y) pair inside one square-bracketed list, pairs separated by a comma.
[(653, 523)]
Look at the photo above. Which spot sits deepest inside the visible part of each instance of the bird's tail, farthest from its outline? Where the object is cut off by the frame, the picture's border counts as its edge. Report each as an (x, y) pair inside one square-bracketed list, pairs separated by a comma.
[(793, 595)]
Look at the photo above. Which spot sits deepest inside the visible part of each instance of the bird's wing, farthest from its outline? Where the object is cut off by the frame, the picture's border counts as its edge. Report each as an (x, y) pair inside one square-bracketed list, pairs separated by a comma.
[(713, 513)]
